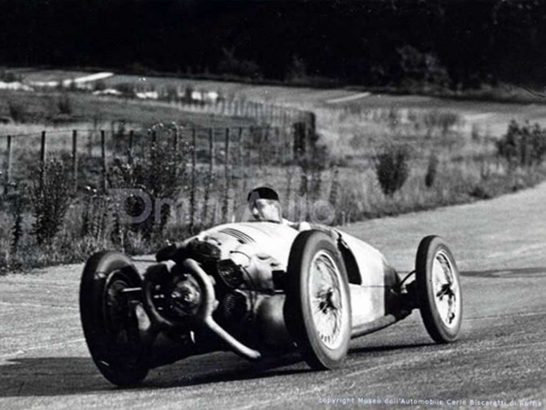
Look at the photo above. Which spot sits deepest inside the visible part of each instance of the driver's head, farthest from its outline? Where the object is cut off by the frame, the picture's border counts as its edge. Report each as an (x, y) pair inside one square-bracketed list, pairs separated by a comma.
[(263, 203)]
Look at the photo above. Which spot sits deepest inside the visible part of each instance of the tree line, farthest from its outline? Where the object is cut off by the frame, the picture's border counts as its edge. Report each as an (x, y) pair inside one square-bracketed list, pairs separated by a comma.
[(456, 44)]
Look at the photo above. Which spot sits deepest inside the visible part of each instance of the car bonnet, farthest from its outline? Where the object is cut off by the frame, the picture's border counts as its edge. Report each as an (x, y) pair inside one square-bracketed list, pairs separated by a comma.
[(269, 238)]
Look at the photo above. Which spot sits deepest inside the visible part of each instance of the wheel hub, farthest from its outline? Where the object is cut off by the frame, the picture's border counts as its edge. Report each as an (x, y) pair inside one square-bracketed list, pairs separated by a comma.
[(446, 289), (326, 300)]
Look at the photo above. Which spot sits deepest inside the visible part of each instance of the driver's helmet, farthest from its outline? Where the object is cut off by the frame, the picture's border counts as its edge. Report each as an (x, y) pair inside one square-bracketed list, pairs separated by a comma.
[(264, 204)]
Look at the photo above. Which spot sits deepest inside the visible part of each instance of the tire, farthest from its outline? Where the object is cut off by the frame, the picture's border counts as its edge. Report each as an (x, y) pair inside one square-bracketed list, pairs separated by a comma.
[(112, 337), (438, 290), (323, 345)]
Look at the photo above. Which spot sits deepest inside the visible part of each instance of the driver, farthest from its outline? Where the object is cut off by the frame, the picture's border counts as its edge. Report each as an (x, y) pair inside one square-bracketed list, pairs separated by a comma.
[(264, 205)]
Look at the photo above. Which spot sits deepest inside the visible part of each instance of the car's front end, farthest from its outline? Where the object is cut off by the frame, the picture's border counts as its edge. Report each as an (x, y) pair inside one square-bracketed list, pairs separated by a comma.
[(220, 290)]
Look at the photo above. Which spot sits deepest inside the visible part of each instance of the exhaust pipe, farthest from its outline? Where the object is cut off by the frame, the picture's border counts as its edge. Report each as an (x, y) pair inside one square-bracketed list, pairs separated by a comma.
[(203, 315)]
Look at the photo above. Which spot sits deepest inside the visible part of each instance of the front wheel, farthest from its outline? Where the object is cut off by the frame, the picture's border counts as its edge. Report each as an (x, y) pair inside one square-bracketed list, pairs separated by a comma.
[(108, 310), (317, 309), (438, 289)]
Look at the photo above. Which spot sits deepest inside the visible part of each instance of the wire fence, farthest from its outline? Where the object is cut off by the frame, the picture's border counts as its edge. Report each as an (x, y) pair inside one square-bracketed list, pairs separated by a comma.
[(91, 151), (212, 167)]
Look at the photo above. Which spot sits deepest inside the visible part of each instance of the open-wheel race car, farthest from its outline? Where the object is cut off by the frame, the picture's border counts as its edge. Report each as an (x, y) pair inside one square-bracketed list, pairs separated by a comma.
[(258, 289)]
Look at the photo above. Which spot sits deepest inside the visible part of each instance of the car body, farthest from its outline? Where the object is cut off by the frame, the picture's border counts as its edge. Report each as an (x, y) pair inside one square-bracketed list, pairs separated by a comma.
[(370, 277), (259, 289)]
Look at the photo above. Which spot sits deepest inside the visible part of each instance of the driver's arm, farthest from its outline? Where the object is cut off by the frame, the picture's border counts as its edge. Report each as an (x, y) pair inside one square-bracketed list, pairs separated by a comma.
[(299, 226)]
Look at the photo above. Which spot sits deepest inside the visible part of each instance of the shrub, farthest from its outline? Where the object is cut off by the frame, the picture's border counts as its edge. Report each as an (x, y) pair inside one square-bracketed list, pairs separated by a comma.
[(420, 69), (127, 89), (8, 76), (444, 121), (17, 111), (188, 92), (392, 168), (448, 120), (16, 208), (159, 173), (50, 195), (432, 169), (475, 133), (64, 104), (99, 86), (522, 145), (171, 93), (95, 215), (297, 71)]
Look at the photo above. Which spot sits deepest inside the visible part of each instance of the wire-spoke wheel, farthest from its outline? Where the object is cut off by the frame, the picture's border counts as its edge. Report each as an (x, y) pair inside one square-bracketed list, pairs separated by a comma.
[(327, 299), (439, 289), (317, 309)]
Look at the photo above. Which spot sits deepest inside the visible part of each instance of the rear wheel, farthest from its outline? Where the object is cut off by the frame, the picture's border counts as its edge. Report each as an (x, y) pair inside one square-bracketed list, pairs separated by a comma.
[(109, 303), (317, 308), (438, 289)]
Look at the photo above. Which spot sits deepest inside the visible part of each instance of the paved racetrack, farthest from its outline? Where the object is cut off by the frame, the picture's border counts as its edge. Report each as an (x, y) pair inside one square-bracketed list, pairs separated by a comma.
[(501, 249)]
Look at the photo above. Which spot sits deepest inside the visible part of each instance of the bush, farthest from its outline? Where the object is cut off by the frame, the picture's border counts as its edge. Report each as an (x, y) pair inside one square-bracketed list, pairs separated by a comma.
[(127, 89), (171, 93), (432, 170), (392, 168), (419, 69), (64, 104), (16, 208), (8, 76), (159, 173), (95, 216), (50, 195), (99, 86), (444, 121), (522, 145), (297, 71), (17, 111)]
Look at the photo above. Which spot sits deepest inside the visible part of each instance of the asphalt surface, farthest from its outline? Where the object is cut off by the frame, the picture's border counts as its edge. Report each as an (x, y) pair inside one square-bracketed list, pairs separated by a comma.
[(499, 361)]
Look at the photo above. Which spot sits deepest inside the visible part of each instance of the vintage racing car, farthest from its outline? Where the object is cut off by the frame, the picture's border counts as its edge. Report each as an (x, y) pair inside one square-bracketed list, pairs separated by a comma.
[(258, 289)]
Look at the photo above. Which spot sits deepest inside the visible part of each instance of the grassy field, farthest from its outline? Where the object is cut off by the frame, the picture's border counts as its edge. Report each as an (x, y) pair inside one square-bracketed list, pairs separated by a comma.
[(450, 156), (45, 109)]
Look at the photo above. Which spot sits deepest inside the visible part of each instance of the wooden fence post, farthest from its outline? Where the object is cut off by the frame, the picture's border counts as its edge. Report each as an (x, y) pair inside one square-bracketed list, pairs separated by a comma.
[(193, 187), (277, 146), (265, 148), (242, 165), (8, 165), (208, 188), (176, 141), (271, 114), (248, 159), (225, 206), (260, 140), (43, 157), (176, 153), (130, 149), (75, 159), (103, 159), (90, 142)]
